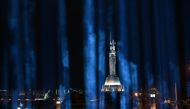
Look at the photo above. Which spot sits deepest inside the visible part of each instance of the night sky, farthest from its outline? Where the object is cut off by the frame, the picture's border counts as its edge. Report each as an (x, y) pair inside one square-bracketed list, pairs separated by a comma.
[(152, 43)]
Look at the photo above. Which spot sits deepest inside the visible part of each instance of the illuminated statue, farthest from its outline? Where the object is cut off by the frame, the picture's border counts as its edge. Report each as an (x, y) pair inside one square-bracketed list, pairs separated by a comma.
[(112, 58), (112, 82)]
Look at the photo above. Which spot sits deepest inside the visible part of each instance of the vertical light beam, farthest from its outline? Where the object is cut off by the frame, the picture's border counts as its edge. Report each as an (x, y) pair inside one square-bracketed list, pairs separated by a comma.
[(101, 65), (124, 67), (29, 51), (160, 49), (64, 55), (101, 51), (89, 54), (16, 52), (16, 61)]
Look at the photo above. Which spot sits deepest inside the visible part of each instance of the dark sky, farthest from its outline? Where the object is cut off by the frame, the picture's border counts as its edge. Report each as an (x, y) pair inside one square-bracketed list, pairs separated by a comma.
[(151, 26)]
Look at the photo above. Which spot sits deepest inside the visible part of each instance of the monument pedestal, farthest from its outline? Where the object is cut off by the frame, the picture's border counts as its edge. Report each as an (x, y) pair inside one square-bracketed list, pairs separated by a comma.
[(112, 83)]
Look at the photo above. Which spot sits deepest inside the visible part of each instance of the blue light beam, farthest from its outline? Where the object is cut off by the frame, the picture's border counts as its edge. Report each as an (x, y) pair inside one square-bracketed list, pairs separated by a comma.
[(101, 66), (64, 55), (90, 55)]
